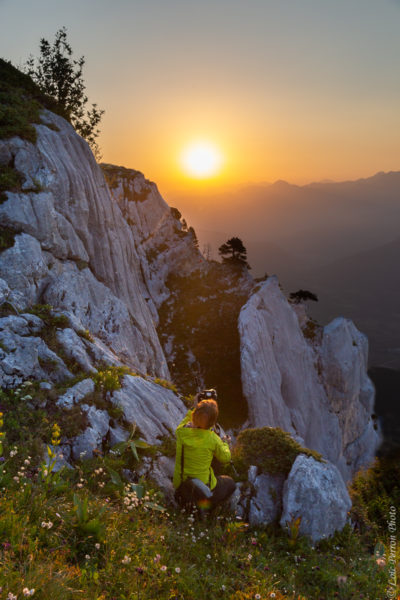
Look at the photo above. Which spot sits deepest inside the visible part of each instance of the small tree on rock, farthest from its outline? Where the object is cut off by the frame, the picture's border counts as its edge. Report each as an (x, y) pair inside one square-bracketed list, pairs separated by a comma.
[(302, 296), (234, 252), (60, 77)]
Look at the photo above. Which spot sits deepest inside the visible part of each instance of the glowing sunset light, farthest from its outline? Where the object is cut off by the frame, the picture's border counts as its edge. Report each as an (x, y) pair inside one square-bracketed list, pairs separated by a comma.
[(201, 160)]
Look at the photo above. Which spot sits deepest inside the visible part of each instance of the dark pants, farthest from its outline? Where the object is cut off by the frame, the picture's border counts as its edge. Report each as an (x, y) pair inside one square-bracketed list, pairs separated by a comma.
[(187, 494)]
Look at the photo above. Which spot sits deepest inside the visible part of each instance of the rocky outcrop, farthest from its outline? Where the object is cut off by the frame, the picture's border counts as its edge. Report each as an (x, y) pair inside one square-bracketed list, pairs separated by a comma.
[(149, 409), (154, 409), (311, 383), (73, 247), (315, 492), (24, 354), (163, 242)]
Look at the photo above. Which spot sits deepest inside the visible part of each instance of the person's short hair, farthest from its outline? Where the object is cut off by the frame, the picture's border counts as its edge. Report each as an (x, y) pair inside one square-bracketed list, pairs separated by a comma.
[(205, 414)]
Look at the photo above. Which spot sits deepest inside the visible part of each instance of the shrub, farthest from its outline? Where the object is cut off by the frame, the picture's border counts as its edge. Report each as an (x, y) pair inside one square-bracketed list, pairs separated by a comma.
[(10, 181), (310, 329), (7, 238), (270, 448), (373, 491), (167, 384), (86, 335), (109, 379), (20, 103), (45, 312)]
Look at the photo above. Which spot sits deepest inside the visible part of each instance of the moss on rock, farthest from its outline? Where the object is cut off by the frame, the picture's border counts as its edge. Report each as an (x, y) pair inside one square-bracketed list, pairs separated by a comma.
[(269, 448)]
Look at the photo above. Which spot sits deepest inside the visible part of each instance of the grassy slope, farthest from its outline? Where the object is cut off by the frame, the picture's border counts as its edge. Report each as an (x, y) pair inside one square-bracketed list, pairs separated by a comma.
[(125, 543)]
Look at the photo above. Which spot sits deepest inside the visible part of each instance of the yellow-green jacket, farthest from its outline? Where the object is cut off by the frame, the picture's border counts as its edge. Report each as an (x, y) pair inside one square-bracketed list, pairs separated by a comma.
[(200, 446)]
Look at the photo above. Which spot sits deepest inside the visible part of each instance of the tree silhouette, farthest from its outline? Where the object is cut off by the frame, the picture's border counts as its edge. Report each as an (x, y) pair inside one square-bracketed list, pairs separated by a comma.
[(234, 252), (60, 77), (302, 296)]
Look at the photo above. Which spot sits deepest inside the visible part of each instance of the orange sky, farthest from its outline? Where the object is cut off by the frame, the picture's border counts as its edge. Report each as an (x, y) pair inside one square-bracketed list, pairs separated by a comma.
[(300, 90)]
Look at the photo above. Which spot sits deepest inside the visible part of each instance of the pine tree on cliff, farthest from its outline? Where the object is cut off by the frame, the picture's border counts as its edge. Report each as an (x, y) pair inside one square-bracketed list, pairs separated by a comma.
[(234, 252), (60, 77)]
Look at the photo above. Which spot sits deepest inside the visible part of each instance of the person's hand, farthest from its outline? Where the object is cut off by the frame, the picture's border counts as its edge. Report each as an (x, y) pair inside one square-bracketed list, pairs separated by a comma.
[(227, 439)]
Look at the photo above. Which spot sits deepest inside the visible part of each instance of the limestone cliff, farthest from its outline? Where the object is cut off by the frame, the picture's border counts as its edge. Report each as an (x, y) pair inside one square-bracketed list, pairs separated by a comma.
[(163, 242), (310, 381), (73, 247)]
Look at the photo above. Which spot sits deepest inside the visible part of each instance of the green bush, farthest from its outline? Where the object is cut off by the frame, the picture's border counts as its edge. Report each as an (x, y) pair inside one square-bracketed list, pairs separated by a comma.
[(166, 384), (7, 238), (10, 180), (269, 448), (109, 379), (310, 329), (86, 335)]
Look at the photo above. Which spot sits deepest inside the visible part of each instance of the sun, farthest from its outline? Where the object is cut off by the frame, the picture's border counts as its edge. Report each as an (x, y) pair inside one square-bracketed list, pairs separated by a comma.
[(201, 160)]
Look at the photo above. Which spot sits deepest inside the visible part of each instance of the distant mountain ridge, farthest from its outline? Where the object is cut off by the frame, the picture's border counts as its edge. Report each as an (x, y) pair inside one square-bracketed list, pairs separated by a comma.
[(318, 222)]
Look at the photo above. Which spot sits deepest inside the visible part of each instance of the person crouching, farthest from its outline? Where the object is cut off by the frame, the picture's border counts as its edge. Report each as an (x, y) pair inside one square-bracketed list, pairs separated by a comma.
[(196, 446)]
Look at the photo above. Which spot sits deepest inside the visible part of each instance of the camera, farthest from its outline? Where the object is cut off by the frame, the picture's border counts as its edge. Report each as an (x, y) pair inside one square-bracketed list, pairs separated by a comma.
[(208, 395)]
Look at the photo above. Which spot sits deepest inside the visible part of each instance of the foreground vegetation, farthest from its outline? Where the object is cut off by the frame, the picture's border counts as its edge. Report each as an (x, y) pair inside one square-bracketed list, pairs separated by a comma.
[(88, 533)]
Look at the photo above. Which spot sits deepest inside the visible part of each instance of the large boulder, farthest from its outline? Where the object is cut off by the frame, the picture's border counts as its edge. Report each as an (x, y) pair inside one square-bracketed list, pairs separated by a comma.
[(266, 501), (315, 491)]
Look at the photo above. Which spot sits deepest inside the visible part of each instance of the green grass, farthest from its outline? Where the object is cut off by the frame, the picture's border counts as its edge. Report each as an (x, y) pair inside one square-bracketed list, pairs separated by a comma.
[(88, 534), (82, 536), (20, 103)]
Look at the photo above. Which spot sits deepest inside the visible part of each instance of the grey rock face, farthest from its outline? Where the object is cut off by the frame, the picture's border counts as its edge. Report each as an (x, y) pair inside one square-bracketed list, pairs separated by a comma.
[(66, 215), (75, 349), (315, 492), (96, 308), (351, 394), (161, 473), (156, 410), (76, 393), (117, 435), (320, 393), (163, 244), (24, 268), (24, 356), (91, 439), (265, 504)]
